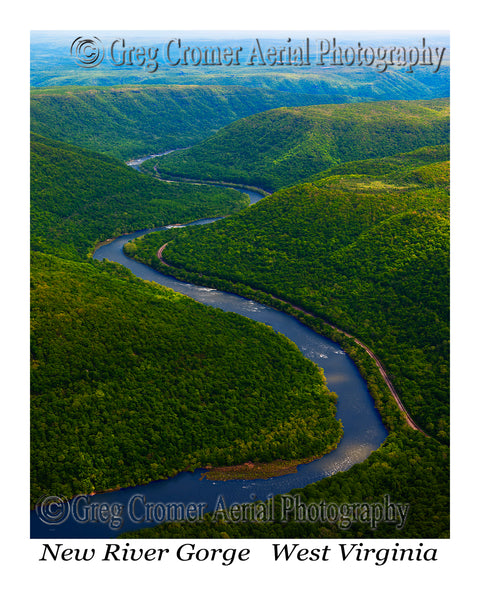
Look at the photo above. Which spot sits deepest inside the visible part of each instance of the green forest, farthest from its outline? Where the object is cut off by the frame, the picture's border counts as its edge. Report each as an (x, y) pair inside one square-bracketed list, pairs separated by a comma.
[(80, 198), (284, 146), (409, 467), (132, 382)]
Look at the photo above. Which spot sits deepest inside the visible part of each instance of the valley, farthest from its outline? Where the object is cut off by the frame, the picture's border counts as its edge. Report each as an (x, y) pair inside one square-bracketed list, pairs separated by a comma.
[(133, 383)]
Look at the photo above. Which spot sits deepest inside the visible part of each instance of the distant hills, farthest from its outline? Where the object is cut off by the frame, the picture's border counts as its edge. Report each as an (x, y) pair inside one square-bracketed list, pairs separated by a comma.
[(53, 65), (135, 120)]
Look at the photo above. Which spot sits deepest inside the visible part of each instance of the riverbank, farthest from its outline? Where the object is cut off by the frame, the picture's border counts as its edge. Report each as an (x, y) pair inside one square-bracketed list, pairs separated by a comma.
[(250, 188)]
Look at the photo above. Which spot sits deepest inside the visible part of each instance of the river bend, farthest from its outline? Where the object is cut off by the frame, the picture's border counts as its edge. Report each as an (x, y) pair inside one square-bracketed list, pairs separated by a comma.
[(364, 431)]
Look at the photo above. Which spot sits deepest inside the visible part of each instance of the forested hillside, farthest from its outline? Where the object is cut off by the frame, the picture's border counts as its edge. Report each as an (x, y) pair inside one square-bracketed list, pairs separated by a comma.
[(366, 252), (79, 198), (130, 121), (281, 147), (133, 382)]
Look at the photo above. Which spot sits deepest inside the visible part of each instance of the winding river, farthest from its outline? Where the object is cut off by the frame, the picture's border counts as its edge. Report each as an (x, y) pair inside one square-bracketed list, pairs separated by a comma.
[(108, 514)]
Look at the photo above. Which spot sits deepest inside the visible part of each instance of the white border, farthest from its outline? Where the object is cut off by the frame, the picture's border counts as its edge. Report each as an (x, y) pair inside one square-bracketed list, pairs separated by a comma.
[(454, 570)]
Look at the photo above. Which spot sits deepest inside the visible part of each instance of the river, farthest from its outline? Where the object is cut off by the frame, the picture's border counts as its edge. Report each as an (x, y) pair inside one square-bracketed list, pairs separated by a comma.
[(108, 514)]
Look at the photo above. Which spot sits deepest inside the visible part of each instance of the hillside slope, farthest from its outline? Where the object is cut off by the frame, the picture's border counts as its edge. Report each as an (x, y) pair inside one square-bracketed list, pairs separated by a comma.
[(281, 147), (133, 382), (79, 198)]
